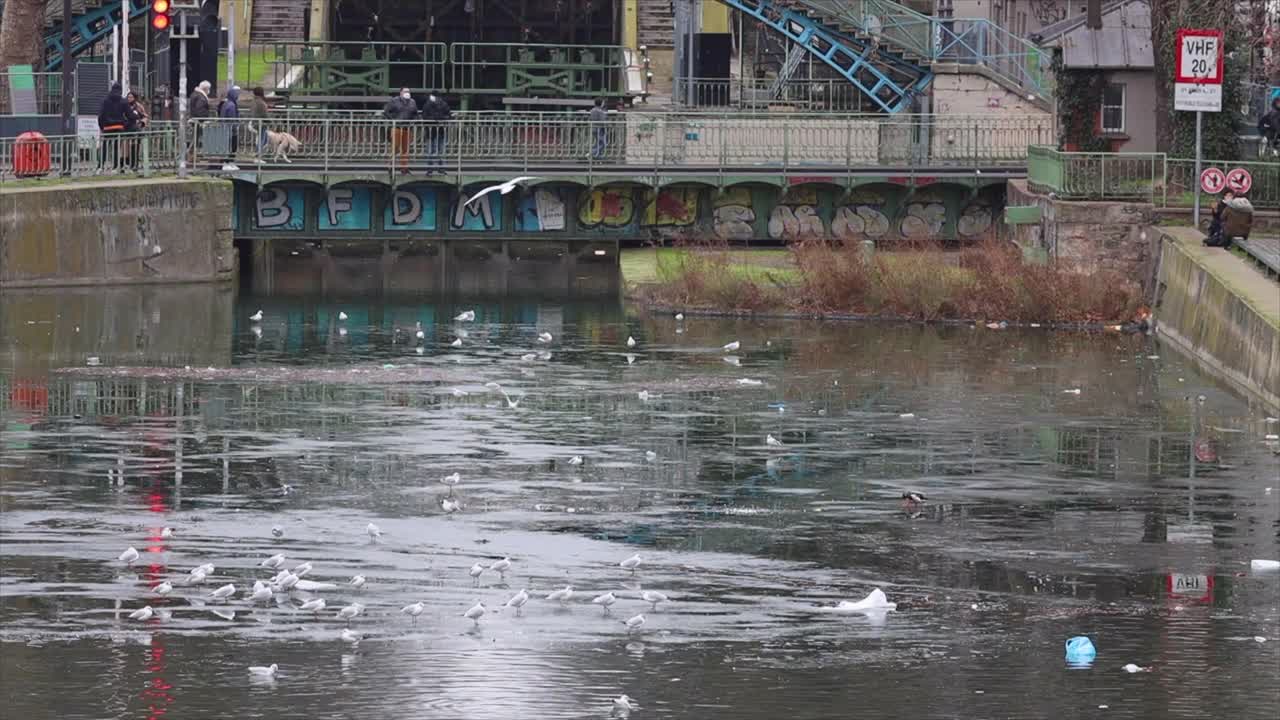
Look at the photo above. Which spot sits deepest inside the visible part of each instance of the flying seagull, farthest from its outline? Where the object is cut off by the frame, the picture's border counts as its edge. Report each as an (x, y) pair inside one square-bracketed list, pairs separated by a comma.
[(504, 188)]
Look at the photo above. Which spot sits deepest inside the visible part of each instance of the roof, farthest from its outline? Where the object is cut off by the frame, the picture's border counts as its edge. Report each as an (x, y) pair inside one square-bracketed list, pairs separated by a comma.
[(1123, 42)]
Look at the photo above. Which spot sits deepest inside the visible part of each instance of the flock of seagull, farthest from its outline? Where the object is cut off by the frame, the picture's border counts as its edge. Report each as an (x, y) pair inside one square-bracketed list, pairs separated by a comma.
[(287, 580)]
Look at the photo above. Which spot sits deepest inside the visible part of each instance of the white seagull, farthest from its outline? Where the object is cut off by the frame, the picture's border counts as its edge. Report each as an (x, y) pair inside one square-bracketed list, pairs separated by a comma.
[(357, 582), (544, 337), (314, 606), (623, 705), (457, 342), (414, 610), (730, 347), (223, 592), (563, 595), (144, 614), (631, 563), (129, 557), (302, 569), (261, 595), (476, 612), (451, 480), (575, 460), (772, 441), (342, 315), (349, 612), (651, 456), (450, 506), (274, 562), (349, 636), (196, 577), (374, 531), (631, 342), (653, 597), (1131, 668), (503, 188), (468, 316), (634, 623), (163, 588), (287, 582), (604, 601), (679, 317), (166, 533), (256, 317), (501, 567), (267, 672), (475, 572), (518, 600)]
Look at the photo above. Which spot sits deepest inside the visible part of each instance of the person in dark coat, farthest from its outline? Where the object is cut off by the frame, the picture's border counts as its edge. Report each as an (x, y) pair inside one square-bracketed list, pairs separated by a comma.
[(115, 118), (401, 109), (436, 111), (1216, 238), (229, 110), (1269, 125), (198, 104)]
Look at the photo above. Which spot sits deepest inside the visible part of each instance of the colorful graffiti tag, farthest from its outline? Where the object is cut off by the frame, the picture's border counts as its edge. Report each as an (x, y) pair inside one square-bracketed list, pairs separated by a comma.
[(733, 217), (279, 208), (542, 210), (410, 207), (795, 216), (483, 215), (344, 208), (615, 207)]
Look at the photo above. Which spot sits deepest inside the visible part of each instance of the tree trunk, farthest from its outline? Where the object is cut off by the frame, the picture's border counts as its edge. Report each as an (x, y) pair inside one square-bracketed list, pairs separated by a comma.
[(1161, 17), (21, 36)]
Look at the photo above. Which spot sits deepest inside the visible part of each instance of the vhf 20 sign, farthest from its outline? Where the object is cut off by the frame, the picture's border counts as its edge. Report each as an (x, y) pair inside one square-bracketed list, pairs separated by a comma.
[(1198, 76)]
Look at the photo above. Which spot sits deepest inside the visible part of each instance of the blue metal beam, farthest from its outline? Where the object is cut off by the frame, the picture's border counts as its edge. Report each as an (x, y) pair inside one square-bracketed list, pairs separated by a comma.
[(849, 57), (86, 29)]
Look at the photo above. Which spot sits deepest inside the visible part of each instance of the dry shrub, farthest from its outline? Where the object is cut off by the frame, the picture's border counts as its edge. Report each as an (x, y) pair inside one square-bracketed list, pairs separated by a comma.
[(702, 274), (836, 278)]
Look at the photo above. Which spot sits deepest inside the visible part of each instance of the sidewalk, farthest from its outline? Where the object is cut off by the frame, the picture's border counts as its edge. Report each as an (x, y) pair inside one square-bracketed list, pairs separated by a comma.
[(1251, 286)]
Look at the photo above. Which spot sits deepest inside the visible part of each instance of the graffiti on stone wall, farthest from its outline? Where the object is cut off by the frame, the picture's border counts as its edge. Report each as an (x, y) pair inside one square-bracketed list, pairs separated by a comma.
[(672, 207), (615, 208), (344, 208), (483, 215), (861, 218), (410, 207), (924, 216), (732, 217), (975, 220), (607, 207), (541, 210), (795, 217)]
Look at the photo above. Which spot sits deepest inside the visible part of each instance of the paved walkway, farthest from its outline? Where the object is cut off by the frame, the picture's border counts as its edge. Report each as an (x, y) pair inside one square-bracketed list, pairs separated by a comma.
[(1265, 250), (1255, 289)]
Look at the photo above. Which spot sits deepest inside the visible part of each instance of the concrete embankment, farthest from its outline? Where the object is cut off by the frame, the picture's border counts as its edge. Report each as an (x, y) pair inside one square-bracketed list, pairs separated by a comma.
[(116, 231), (1221, 311)]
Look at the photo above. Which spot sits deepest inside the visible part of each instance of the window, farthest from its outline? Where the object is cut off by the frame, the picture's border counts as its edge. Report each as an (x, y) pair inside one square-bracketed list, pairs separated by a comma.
[(1113, 108)]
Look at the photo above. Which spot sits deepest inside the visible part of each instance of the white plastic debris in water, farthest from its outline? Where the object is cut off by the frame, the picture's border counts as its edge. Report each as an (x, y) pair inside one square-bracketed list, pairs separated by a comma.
[(1259, 638), (874, 602), (1071, 391), (1131, 668), (93, 361), (749, 381), (1263, 566)]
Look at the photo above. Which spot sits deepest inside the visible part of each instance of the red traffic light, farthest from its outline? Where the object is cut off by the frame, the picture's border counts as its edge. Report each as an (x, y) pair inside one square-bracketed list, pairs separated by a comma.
[(160, 6), (160, 22), (159, 14)]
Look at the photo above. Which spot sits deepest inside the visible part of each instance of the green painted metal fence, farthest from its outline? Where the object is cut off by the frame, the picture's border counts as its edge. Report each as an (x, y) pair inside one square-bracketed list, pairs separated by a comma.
[(1149, 177)]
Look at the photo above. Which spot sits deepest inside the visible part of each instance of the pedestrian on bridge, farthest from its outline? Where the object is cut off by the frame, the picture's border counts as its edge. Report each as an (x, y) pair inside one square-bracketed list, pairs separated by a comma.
[(599, 129), (229, 110), (401, 109), (437, 113)]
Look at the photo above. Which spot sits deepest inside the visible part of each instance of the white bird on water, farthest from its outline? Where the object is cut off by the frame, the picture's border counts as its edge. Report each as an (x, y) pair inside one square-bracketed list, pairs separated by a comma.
[(518, 601), (650, 456), (143, 614), (450, 506), (468, 316), (224, 592), (1131, 668), (206, 568), (197, 577), (163, 588), (772, 441), (679, 317), (286, 583), (451, 480), (342, 315), (563, 595), (256, 317), (544, 337), (457, 342), (501, 567), (374, 531), (730, 347), (874, 602), (605, 601), (634, 622), (575, 460), (643, 395), (653, 597), (274, 562), (349, 612), (261, 594), (631, 563), (349, 636), (265, 672), (631, 342), (313, 606), (502, 188), (529, 357), (476, 612), (302, 569), (475, 572), (129, 557), (414, 610), (419, 333), (623, 705), (357, 582), (166, 533)]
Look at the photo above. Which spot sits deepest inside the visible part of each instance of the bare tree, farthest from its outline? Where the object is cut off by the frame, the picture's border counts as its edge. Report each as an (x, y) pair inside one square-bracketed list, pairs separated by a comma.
[(21, 34)]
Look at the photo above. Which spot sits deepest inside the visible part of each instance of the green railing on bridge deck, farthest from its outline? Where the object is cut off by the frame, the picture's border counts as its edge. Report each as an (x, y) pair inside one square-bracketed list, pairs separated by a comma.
[(573, 71), (335, 71), (640, 143), (143, 153), (1149, 177)]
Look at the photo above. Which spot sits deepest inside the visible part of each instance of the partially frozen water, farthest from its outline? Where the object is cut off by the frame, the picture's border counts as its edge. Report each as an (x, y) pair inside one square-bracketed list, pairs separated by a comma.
[(1128, 513)]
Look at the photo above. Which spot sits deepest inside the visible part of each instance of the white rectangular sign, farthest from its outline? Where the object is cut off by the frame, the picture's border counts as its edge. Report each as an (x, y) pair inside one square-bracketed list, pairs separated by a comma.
[(1199, 59), (1205, 98)]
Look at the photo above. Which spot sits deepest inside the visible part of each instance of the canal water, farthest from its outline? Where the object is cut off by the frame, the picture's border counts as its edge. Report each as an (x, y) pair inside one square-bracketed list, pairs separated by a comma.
[(1094, 485)]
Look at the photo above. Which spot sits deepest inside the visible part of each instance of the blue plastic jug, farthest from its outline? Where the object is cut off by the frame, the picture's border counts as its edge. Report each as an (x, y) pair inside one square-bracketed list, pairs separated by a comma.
[(1080, 650)]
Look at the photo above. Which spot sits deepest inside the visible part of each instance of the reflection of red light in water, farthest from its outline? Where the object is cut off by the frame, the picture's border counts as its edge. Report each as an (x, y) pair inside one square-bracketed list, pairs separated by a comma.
[(1205, 451), (156, 693), (30, 395)]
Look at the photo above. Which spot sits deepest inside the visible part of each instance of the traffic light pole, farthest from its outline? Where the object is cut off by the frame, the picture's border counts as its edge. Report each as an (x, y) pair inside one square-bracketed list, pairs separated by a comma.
[(182, 97), (68, 67)]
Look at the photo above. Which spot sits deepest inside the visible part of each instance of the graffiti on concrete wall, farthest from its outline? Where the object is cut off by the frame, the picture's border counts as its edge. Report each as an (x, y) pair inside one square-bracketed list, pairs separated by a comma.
[(975, 220), (863, 217), (732, 215), (607, 208), (279, 208), (541, 210), (629, 208), (344, 208), (795, 216), (483, 215), (411, 207), (672, 207), (924, 216)]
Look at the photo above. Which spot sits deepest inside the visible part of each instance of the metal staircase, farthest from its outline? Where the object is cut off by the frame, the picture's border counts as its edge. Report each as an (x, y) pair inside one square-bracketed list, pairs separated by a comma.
[(92, 21)]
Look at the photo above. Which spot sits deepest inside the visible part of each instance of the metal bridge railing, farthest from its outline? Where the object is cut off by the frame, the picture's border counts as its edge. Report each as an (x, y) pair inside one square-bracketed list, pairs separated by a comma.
[(1150, 177), (646, 143), (141, 153), (336, 70), (582, 71)]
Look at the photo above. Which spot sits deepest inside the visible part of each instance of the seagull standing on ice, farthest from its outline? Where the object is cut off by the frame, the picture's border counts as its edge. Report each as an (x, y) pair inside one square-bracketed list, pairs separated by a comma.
[(451, 481), (475, 572), (349, 612), (631, 342), (261, 594), (129, 557), (349, 636), (256, 317), (450, 506), (631, 563), (634, 623), (732, 346), (224, 592), (357, 582), (576, 460), (563, 595), (374, 531), (166, 533), (468, 316), (313, 606), (144, 614), (476, 612), (414, 610), (503, 188), (274, 562), (501, 567), (544, 337), (518, 601), (163, 588), (653, 597), (604, 601)]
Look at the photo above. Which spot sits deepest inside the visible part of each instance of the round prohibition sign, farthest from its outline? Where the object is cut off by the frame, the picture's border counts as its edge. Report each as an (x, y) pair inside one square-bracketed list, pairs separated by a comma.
[(1239, 180), (1212, 180)]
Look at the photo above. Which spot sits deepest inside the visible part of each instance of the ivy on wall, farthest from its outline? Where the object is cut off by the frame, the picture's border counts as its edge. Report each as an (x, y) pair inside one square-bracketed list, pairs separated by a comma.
[(1079, 95)]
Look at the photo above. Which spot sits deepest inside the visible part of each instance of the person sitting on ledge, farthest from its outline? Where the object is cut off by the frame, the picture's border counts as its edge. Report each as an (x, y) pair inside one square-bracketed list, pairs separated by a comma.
[(1232, 219)]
